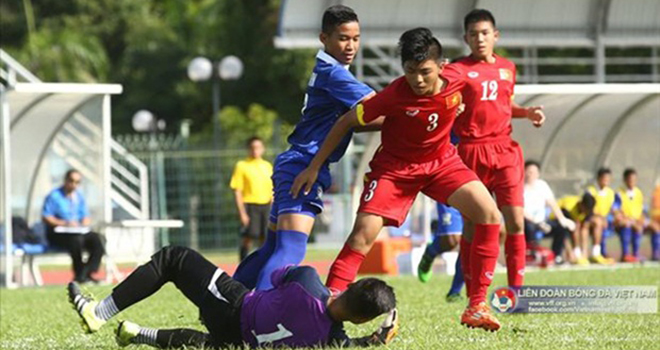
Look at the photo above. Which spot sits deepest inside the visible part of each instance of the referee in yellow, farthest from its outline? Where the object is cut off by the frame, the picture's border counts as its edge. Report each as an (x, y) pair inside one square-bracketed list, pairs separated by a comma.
[(253, 191)]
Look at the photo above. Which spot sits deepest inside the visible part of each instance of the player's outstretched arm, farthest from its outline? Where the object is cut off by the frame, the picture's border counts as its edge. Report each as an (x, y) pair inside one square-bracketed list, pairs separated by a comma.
[(307, 177), (382, 336), (534, 113)]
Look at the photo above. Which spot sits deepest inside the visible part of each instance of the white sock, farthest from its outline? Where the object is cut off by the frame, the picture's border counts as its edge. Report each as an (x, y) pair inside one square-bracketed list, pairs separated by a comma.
[(577, 252), (146, 336), (595, 250), (106, 308)]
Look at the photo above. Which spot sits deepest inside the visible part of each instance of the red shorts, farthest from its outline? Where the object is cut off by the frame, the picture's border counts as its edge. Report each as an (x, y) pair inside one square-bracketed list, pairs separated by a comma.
[(500, 166), (393, 184)]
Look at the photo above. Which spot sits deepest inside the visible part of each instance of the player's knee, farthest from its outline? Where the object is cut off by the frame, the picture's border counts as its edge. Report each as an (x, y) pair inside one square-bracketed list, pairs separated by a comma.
[(489, 215), (515, 227), (453, 241)]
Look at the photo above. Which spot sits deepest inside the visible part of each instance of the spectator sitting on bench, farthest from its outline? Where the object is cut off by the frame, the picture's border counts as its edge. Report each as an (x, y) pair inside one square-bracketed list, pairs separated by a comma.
[(65, 208)]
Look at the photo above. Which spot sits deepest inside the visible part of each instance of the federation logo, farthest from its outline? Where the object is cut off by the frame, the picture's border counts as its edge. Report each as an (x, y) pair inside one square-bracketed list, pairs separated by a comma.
[(506, 74), (454, 100), (412, 114), (473, 74), (504, 299)]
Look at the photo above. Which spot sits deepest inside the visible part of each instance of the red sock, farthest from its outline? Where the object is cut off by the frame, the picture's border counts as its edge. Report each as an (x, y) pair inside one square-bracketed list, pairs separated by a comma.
[(514, 249), (483, 258), (344, 269), (465, 263)]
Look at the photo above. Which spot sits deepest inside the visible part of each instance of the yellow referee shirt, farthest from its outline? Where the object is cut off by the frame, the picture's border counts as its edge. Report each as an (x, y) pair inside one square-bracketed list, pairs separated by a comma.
[(252, 177)]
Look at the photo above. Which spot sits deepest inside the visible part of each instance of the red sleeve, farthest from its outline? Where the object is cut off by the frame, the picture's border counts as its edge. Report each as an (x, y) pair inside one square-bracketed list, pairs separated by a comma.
[(453, 72), (373, 108)]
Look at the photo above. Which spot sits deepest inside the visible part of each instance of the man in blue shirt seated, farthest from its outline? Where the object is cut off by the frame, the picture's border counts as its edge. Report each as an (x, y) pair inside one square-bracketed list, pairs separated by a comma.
[(65, 207)]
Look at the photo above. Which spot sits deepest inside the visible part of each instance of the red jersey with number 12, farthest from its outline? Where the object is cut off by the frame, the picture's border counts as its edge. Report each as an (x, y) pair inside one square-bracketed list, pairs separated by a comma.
[(416, 128), (488, 95)]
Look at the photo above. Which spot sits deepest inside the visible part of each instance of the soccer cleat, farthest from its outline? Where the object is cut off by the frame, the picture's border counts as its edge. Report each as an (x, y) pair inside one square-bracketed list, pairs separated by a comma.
[(601, 260), (630, 259), (84, 306), (453, 297), (582, 261), (126, 332), (425, 268), (479, 316)]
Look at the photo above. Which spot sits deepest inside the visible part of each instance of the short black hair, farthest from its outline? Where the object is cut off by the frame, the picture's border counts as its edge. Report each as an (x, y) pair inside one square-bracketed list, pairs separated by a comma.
[(70, 172), (252, 139), (336, 15), (588, 203), (629, 172), (603, 171), (418, 45), (534, 163), (478, 15), (369, 297)]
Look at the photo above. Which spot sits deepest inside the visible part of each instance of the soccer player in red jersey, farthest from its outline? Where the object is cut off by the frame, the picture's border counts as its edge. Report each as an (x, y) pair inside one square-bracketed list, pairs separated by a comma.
[(415, 156), (486, 147)]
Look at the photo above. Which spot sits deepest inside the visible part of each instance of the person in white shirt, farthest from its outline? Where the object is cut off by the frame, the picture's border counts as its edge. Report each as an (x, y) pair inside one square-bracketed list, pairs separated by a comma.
[(538, 197)]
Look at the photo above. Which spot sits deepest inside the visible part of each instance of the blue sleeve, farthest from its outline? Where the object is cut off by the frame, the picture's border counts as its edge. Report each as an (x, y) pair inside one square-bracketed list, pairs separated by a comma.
[(83, 211), (343, 87), (308, 278), (50, 206)]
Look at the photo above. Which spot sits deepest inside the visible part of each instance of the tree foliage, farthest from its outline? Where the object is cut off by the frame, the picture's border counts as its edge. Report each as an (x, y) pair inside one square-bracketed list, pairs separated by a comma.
[(146, 46)]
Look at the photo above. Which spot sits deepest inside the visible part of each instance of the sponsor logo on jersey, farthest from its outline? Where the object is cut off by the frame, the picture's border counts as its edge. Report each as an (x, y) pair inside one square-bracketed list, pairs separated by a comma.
[(411, 113), (472, 75), (506, 74)]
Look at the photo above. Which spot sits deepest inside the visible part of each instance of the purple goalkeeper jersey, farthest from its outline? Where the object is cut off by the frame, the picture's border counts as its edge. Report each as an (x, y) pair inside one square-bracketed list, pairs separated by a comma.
[(293, 313)]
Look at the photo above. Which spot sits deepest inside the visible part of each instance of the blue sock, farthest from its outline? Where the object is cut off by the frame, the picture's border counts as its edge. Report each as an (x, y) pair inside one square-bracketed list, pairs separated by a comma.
[(636, 240), (457, 282), (603, 245), (626, 236), (433, 249), (289, 250), (248, 270), (655, 244)]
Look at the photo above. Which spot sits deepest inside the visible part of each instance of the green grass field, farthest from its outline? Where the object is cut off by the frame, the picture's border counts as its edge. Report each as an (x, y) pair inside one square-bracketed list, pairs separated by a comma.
[(42, 318)]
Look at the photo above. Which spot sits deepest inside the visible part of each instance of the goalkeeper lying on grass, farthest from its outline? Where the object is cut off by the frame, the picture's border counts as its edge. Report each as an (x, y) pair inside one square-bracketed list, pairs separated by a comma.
[(298, 312)]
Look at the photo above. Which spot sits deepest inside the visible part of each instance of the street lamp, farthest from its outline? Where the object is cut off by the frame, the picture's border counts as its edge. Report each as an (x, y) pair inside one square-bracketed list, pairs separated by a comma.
[(145, 121), (201, 69)]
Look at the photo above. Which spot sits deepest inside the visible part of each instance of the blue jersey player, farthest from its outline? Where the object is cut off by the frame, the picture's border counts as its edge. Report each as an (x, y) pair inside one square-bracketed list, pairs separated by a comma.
[(446, 236), (332, 91), (298, 312)]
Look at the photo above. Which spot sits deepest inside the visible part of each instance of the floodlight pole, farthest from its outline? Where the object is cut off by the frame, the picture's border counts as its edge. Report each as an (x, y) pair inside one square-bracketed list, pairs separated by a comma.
[(217, 127)]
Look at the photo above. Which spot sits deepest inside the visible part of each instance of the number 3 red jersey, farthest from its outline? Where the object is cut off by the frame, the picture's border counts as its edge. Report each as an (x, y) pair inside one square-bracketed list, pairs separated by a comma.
[(416, 128), (487, 94)]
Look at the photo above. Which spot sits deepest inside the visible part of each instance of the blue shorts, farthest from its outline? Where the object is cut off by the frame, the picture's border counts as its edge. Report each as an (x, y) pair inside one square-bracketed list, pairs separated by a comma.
[(450, 221), (287, 166)]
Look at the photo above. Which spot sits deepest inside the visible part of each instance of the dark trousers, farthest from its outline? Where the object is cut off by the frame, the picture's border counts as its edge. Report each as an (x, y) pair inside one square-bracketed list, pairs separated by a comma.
[(257, 228), (558, 234), (75, 244), (216, 294)]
